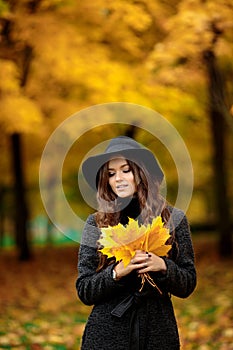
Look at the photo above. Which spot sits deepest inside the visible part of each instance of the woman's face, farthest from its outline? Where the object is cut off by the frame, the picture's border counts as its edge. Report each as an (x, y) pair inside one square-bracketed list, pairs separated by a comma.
[(121, 178)]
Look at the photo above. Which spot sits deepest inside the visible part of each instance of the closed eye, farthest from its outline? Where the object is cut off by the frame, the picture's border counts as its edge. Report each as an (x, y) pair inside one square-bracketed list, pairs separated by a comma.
[(126, 171), (111, 173)]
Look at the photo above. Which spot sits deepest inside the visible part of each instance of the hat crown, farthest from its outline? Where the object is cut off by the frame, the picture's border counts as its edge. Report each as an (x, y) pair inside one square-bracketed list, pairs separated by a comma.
[(125, 147), (122, 143)]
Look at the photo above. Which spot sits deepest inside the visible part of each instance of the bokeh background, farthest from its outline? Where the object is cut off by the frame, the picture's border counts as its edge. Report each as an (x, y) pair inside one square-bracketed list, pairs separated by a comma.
[(60, 57)]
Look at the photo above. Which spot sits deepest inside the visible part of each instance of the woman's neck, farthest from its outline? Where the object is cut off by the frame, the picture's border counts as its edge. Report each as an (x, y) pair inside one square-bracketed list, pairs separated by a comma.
[(129, 208)]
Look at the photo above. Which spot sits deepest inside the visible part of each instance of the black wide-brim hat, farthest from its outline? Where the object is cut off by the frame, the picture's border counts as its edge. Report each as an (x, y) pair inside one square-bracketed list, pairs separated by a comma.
[(129, 149)]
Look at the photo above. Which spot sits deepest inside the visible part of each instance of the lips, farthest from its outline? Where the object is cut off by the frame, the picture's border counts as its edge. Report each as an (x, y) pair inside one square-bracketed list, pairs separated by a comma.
[(121, 187)]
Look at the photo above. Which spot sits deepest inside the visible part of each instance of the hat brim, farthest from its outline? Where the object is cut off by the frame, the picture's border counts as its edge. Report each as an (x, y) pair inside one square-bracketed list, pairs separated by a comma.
[(91, 165)]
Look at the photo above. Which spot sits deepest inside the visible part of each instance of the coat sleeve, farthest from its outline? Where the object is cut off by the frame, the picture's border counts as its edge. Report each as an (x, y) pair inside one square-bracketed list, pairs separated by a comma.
[(93, 287), (180, 278)]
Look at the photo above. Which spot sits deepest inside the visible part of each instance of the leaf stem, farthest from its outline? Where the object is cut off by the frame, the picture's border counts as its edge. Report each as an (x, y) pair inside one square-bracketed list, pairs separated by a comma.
[(146, 277)]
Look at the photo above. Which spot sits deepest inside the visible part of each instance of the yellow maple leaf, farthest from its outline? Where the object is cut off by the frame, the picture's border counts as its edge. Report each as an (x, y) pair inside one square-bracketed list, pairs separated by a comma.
[(121, 241), (156, 237)]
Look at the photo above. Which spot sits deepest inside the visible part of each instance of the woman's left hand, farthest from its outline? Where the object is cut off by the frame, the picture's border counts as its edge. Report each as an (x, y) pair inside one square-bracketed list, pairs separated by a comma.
[(151, 262)]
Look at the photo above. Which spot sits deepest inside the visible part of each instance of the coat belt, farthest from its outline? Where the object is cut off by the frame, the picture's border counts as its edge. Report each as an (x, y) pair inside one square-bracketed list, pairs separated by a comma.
[(121, 308)]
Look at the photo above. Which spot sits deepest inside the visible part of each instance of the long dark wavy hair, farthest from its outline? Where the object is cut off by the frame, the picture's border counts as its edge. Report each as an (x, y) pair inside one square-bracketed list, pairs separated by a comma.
[(151, 202)]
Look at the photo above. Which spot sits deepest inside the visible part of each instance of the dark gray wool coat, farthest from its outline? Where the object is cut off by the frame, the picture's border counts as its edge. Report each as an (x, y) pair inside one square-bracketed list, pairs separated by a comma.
[(122, 318)]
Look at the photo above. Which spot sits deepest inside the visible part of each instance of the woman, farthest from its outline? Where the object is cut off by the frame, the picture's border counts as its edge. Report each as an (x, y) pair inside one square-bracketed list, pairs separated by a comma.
[(127, 178)]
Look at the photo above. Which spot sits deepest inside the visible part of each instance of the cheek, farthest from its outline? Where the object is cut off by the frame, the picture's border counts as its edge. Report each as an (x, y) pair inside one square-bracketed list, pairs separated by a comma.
[(132, 182)]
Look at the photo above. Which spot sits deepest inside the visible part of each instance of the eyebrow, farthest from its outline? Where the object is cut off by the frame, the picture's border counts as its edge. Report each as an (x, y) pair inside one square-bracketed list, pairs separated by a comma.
[(122, 166)]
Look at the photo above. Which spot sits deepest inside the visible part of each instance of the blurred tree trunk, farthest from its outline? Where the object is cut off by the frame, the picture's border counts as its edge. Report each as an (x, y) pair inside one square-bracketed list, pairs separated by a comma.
[(22, 57), (21, 207), (131, 131), (217, 110), (1, 216), (20, 210)]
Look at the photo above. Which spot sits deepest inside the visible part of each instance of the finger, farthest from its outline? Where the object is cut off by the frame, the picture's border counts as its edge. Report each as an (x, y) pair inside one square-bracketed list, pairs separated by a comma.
[(140, 252), (139, 260), (139, 265), (143, 265), (144, 269)]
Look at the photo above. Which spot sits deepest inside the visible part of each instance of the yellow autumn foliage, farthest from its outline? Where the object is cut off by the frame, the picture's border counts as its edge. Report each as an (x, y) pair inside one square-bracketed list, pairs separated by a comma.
[(19, 114), (9, 71)]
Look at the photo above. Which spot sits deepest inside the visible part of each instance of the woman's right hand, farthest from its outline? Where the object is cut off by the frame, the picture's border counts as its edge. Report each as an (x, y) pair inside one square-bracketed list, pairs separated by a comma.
[(138, 262)]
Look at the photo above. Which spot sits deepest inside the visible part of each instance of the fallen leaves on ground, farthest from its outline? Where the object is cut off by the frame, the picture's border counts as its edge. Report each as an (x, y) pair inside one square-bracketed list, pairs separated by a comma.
[(205, 319), (39, 308)]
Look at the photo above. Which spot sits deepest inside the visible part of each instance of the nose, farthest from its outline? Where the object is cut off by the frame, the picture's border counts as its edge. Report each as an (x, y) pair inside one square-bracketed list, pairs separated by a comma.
[(118, 176)]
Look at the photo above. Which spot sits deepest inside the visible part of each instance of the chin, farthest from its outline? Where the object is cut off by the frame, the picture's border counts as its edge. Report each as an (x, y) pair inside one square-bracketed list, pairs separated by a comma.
[(124, 195)]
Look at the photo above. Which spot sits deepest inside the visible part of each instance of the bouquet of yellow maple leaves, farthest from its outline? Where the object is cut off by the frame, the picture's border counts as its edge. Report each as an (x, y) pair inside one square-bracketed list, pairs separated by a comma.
[(122, 241)]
